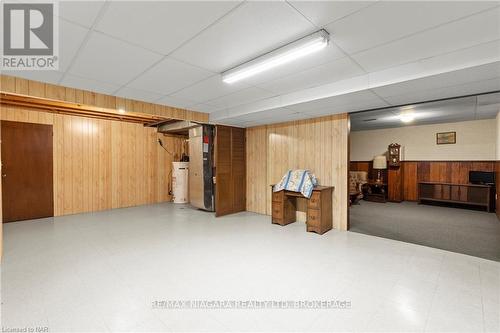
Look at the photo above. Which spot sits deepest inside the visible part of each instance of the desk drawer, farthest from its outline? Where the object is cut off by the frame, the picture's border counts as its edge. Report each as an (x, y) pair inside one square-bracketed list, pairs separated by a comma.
[(315, 201), (278, 196), (277, 210), (313, 217)]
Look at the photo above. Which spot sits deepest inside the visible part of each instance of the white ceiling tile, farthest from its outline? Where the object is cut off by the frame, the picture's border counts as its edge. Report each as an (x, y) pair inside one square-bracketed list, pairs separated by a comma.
[(137, 94), (474, 30), (339, 104), (389, 20), (81, 12), (247, 32), (487, 111), (473, 74), (71, 37), (207, 108), (110, 60), (445, 92), (208, 89), (330, 72), (175, 102), (169, 76), (88, 84), (161, 25), (324, 12), (488, 99), (244, 96), (52, 77)]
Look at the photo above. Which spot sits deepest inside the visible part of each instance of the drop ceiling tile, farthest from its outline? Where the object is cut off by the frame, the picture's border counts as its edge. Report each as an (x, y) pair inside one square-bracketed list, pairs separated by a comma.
[(175, 102), (324, 12), (488, 99), (137, 94), (71, 37), (445, 92), (247, 32), (81, 12), (169, 76), (474, 30), (330, 72), (454, 78), (208, 89), (110, 60), (161, 25), (207, 108), (244, 96), (389, 20), (346, 102), (77, 82), (52, 77), (487, 111)]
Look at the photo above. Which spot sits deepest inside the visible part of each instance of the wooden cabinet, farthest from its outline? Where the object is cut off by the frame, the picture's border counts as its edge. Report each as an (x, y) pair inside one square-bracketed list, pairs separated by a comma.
[(467, 194), (319, 208)]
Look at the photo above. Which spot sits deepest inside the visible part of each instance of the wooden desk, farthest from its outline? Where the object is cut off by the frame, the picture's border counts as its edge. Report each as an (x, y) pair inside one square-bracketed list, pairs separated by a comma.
[(319, 208), (466, 194)]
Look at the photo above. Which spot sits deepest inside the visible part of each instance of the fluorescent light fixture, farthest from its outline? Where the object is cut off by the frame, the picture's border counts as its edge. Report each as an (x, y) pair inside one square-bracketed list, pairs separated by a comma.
[(278, 57)]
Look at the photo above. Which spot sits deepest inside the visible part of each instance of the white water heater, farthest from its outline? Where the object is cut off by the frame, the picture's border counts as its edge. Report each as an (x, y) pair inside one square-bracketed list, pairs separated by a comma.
[(180, 172)]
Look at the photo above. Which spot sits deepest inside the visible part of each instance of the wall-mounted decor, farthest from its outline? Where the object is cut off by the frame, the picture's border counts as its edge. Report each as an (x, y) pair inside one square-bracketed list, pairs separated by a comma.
[(446, 138), (394, 154)]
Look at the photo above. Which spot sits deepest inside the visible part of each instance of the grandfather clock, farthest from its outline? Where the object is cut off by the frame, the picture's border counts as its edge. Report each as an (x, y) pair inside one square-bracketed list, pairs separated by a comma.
[(394, 174)]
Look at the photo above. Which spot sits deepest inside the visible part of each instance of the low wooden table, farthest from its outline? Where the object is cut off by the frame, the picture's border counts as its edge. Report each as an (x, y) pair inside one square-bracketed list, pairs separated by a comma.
[(319, 208), (377, 191), (454, 193)]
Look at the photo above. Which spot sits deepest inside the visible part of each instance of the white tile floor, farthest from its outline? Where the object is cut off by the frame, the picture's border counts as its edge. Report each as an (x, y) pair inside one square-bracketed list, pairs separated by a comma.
[(102, 271)]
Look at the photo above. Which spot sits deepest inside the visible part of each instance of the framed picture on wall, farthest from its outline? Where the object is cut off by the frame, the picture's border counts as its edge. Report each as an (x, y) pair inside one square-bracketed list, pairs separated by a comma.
[(446, 138)]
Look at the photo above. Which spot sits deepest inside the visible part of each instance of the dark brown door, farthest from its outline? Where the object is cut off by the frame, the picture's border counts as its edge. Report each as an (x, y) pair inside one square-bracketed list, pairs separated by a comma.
[(27, 177), (224, 186), (230, 163)]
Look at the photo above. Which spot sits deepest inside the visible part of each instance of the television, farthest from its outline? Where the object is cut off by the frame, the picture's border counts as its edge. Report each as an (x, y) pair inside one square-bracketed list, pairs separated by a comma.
[(482, 177)]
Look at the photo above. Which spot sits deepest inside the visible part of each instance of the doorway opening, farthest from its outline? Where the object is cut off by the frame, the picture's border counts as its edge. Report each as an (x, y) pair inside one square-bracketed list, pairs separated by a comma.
[(427, 174)]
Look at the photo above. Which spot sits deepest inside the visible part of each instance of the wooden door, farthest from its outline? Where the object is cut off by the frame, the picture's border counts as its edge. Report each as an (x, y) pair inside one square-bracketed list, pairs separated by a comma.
[(230, 170), (27, 176), (238, 169)]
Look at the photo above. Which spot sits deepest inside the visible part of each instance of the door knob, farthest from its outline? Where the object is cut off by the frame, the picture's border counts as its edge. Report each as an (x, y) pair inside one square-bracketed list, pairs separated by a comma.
[(4, 175)]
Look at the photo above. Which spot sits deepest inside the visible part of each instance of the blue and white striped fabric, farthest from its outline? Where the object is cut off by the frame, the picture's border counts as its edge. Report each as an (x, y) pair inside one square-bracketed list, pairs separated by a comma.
[(301, 181)]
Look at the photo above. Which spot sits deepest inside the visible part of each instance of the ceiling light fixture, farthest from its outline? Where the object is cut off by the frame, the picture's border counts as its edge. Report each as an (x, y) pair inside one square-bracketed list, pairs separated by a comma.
[(407, 117), (285, 54)]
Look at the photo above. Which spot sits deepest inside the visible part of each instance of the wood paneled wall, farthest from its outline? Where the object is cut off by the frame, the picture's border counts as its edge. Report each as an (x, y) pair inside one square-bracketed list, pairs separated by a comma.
[(319, 145), (431, 171), (102, 164)]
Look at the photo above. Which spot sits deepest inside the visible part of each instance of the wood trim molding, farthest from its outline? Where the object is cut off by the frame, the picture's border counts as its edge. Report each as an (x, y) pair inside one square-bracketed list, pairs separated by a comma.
[(76, 109)]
